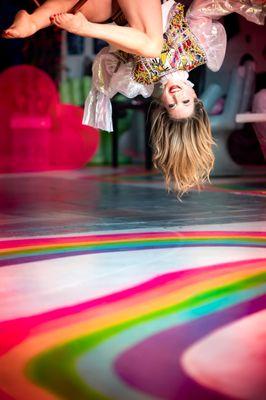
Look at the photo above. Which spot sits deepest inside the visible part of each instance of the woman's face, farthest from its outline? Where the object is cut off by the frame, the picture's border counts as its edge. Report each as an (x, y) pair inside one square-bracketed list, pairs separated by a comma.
[(178, 98)]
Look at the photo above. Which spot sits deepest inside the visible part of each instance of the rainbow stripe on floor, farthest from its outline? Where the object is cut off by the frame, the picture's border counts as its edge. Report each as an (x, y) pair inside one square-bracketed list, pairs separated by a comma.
[(128, 344), (27, 250)]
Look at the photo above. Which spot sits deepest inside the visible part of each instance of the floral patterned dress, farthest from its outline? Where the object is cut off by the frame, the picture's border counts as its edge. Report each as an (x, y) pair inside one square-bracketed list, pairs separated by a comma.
[(181, 51)]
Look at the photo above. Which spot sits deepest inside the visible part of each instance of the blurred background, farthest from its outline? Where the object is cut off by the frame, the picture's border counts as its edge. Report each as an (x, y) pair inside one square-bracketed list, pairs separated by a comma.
[(41, 109)]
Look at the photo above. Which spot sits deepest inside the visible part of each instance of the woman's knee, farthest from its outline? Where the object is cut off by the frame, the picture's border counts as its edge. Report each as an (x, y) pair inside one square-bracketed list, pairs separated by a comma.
[(154, 48)]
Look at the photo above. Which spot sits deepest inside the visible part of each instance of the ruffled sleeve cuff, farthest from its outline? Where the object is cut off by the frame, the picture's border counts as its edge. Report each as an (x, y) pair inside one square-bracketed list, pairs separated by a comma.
[(202, 17), (98, 111)]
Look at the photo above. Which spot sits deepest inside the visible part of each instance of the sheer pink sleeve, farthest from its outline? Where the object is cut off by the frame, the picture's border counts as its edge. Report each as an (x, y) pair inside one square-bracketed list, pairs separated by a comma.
[(252, 10), (203, 15)]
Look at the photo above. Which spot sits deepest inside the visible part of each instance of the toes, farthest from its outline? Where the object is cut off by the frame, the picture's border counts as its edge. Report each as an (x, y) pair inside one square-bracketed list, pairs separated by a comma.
[(55, 19), (4, 35), (59, 19), (62, 17), (8, 33), (65, 17)]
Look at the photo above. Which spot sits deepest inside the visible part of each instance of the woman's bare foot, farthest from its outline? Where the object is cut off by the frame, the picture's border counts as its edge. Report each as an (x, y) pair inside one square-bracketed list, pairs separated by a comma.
[(22, 27), (77, 23)]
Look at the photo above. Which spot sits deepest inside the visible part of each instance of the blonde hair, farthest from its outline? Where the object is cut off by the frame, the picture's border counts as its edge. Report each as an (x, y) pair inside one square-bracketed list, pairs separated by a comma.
[(182, 149)]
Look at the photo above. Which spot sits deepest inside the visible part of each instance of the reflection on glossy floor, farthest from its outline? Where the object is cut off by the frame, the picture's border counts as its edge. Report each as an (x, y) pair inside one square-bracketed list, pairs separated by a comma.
[(112, 289)]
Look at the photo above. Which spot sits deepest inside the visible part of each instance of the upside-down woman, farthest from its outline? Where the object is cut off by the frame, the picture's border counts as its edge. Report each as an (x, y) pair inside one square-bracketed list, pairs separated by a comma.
[(150, 46)]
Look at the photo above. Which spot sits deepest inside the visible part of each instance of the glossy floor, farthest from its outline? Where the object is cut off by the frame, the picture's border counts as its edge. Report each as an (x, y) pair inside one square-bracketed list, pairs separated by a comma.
[(112, 289)]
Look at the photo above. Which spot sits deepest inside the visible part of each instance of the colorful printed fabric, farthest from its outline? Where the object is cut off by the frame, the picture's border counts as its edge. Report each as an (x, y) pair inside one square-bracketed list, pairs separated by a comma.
[(181, 51)]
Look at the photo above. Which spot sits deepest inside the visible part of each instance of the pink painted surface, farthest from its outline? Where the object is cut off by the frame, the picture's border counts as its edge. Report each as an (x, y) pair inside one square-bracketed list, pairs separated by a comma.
[(39, 133), (237, 366)]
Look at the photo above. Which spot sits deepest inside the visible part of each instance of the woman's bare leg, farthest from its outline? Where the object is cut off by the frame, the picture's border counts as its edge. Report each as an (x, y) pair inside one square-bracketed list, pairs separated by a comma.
[(26, 24), (145, 16), (143, 36)]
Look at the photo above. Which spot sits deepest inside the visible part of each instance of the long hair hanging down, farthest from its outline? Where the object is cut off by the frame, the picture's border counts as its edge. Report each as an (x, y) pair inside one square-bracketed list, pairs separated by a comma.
[(182, 149)]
